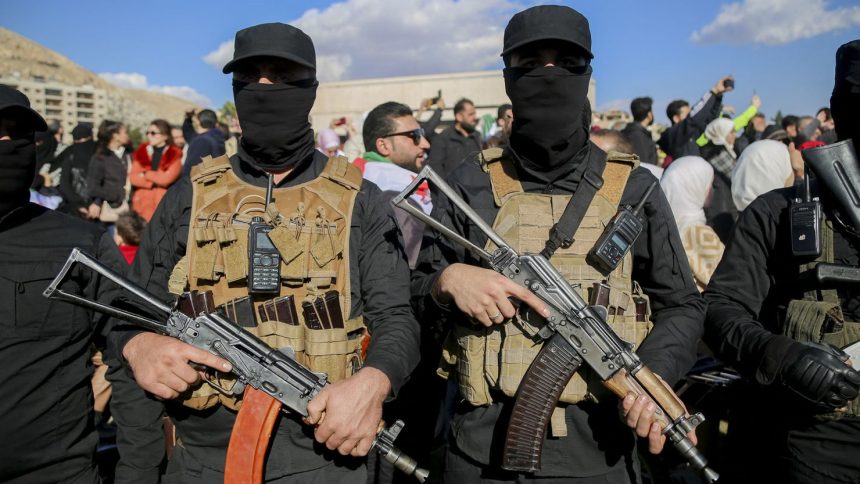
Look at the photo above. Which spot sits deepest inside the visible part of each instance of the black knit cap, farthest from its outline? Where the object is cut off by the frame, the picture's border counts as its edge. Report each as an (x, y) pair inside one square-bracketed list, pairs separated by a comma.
[(548, 22), (273, 40), (14, 103)]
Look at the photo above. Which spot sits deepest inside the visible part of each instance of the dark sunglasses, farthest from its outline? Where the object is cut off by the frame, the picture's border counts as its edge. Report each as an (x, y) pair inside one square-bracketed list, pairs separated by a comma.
[(153, 133), (415, 134)]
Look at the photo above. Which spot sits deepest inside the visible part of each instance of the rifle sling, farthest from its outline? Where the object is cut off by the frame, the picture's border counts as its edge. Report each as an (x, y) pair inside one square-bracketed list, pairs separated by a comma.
[(561, 234), (535, 401)]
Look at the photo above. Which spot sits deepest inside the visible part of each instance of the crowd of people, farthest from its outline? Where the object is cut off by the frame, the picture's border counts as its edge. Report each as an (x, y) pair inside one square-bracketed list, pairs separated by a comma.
[(408, 324)]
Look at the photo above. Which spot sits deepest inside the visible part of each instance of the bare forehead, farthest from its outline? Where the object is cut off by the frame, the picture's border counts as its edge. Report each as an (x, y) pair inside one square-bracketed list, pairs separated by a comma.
[(405, 123)]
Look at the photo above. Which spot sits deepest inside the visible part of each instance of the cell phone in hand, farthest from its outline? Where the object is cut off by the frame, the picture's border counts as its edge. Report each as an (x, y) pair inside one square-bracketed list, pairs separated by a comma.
[(729, 83)]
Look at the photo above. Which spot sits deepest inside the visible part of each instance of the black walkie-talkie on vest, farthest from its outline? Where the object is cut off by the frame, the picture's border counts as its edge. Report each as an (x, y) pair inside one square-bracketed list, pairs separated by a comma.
[(619, 236), (805, 221), (264, 260)]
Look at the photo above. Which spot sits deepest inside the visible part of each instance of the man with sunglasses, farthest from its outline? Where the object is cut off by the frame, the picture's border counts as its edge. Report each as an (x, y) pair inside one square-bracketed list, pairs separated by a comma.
[(523, 190), (341, 243)]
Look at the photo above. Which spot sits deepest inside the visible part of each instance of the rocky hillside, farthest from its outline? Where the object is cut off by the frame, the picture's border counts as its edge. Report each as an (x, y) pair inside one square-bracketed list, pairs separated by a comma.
[(21, 57)]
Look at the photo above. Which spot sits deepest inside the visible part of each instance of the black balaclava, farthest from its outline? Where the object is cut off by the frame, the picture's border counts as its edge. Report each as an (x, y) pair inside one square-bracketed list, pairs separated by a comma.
[(276, 129), (17, 170), (845, 101), (548, 105)]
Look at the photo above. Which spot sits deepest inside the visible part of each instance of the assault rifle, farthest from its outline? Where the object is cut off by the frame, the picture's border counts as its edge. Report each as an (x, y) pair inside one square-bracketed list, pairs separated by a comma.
[(574, 332), (271, 371)]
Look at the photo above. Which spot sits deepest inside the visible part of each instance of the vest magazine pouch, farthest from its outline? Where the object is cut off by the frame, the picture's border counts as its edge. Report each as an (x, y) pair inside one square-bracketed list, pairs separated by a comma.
[(292, 241), (234, 249), (325, 248), (815, 321), (472, 343), (279, 326), (327, 344)]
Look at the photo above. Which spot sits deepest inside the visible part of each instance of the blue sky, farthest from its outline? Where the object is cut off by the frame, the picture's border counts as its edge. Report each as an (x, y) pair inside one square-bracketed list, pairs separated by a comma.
[(781, 49)]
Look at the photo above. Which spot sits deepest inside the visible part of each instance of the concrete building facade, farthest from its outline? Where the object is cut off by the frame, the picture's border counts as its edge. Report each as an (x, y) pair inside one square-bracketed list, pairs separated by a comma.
[(68, 105), (354, 98)]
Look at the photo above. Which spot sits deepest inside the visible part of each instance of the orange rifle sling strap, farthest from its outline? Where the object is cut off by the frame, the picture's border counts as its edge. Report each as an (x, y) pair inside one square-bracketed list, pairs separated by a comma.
[(249, 441)]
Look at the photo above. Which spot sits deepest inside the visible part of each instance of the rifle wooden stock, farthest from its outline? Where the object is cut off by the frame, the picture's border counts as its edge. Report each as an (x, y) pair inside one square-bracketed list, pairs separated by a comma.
[(249, 441), (536, 398)]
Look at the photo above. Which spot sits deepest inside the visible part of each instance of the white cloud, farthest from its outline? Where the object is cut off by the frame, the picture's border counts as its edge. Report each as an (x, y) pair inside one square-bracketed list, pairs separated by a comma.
[(775, 21), (220, 56), (379, 38), (135, 80)]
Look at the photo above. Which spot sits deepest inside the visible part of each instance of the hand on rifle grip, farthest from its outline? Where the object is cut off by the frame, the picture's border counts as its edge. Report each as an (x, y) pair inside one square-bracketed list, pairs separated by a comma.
[(162, 365), (484, 294)]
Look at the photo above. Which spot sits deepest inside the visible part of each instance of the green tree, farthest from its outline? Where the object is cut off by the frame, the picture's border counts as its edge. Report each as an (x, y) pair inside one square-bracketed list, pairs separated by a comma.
[(228, 110), (136, 136), (777, 118)]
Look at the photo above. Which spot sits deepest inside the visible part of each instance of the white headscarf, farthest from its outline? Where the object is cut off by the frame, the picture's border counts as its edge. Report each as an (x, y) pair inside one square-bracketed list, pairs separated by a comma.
[(717, 131), (686, 183), (762, 167)]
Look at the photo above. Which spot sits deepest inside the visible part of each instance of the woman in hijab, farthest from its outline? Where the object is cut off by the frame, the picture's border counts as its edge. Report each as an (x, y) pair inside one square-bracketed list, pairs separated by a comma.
[(719, 152), (764, 166), (687, 184)]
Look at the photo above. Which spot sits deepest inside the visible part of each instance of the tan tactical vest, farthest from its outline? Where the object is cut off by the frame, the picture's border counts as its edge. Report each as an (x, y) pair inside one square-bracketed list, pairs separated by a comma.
[(818, 316), (311, 232), (495, 359)]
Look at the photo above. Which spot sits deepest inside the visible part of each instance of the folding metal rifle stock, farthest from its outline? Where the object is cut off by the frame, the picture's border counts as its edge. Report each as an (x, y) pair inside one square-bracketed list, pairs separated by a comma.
[(271, 371)]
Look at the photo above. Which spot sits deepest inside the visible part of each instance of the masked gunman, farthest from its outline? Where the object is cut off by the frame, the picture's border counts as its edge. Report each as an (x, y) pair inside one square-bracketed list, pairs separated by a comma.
[(46, 412), (522, 191), (340, 277), (780, 314)]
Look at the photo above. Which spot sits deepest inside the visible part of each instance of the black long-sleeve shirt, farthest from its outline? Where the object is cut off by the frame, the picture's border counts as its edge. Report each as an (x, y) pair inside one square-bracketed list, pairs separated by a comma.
[(73, 182), (597, 439), (680, 139), (46, 409), (643, 144), (747, 297), (379, 280), (450, 148), (209, 143)]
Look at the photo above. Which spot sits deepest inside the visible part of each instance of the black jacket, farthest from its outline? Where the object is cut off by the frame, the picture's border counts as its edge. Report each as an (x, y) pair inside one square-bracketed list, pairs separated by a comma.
[(46, 411), (210, 143), (379, 278), (73, 182), (680, 139), (597, 440), (106, 179), (643, 144), (450, 148), (747, 297)]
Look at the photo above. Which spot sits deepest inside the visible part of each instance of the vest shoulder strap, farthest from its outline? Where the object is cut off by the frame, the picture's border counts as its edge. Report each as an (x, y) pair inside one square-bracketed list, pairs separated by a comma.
[(503, 174), (210, 169), (615, 175), (339, 170)]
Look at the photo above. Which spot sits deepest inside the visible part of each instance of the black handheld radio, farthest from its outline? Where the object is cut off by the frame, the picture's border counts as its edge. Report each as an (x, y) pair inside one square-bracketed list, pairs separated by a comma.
[(805, 221), (618, 237), (264, 260)]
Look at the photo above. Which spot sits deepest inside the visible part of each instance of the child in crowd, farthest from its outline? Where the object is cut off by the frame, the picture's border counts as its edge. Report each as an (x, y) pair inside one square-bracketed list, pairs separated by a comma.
[(129, 228)]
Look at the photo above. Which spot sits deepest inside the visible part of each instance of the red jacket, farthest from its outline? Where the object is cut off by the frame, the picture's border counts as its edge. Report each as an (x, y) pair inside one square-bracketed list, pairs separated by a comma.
[(151, 185)]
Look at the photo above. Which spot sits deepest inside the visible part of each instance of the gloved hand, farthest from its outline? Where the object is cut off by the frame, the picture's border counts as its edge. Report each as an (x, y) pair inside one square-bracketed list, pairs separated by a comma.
[(819, 374)]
